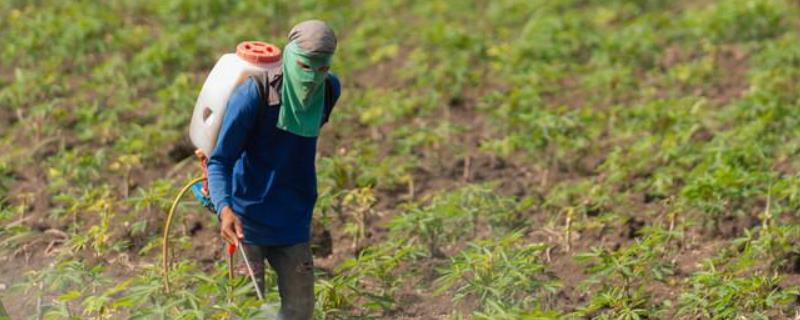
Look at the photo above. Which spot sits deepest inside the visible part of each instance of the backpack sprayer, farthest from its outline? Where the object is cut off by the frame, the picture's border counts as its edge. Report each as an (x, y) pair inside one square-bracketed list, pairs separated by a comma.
[(251, 58)]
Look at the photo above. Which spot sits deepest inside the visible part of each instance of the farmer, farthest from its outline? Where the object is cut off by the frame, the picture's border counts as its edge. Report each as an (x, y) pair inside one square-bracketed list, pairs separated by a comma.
[(261, 174)]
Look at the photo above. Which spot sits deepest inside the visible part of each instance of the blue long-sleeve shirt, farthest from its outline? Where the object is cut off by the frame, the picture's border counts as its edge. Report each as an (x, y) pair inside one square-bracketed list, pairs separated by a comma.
[(265, 174)]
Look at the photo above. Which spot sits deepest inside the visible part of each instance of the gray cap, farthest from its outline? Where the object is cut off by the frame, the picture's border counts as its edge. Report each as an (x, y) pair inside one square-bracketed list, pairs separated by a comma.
[(314, 37)]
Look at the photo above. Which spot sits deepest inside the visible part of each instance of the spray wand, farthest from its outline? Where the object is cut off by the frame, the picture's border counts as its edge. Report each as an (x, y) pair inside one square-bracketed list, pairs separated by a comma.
[(231, 248)]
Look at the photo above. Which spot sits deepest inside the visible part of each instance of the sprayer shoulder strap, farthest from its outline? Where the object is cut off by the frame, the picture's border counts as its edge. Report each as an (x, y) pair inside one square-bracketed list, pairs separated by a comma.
[(330, 100), (268, 89)]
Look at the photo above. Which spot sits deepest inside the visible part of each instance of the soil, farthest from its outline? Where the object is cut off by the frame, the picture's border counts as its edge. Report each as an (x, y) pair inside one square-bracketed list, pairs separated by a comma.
[(20, 304), (332, 246)]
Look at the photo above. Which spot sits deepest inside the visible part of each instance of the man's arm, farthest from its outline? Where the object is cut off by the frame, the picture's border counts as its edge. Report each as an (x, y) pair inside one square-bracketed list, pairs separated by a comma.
[(239, 119)]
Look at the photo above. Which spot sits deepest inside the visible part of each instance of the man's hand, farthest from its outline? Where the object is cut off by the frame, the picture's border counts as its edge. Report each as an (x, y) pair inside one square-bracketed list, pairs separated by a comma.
[(231, 226)]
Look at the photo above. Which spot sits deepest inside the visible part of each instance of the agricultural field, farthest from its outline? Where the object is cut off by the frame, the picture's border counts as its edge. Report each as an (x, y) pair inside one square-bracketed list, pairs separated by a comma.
[(505, 159)]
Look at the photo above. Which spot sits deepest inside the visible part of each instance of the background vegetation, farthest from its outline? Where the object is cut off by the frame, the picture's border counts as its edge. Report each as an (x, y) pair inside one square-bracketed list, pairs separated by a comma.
[(507, 159)]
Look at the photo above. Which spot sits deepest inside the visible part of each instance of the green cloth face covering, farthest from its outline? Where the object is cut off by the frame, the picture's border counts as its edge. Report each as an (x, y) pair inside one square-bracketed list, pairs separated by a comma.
[(303, 92)]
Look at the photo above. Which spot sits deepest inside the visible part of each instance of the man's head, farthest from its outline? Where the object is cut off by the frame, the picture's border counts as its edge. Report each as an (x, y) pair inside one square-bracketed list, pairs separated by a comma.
[(308, 55), (314, 37)]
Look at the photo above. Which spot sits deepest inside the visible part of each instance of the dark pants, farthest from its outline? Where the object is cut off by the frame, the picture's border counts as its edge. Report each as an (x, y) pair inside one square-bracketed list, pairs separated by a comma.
[(294, 266)]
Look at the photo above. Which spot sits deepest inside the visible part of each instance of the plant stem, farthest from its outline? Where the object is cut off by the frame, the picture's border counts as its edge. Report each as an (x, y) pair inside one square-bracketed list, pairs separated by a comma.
[(568, 229)]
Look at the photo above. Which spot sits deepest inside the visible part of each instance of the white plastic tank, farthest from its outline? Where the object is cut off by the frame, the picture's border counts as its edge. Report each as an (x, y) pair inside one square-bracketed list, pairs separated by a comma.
[(251, 57)]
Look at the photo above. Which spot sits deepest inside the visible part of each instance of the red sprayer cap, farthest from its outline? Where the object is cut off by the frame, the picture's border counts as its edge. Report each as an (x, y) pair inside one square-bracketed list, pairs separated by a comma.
[(258, 52)]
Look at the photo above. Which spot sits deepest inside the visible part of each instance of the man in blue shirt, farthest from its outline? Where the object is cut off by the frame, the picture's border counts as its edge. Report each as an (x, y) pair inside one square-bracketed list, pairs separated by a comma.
[(261, 174)]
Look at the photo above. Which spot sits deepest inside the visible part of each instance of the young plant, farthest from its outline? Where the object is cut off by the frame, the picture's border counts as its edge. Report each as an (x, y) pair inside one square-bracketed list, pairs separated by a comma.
[(503, 271)]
